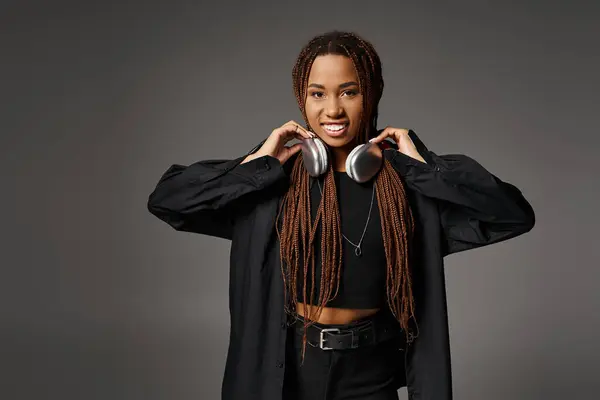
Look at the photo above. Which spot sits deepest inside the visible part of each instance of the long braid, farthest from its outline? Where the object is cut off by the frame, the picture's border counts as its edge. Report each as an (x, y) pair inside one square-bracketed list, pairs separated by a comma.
[(298, 231)]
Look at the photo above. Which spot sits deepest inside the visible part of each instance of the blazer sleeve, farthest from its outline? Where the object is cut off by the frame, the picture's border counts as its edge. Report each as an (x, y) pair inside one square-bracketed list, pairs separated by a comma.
[(476, 207), (204, 197)]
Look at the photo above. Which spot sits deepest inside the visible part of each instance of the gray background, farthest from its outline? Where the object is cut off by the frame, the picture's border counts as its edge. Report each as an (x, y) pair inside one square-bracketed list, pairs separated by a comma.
[(100, 300)]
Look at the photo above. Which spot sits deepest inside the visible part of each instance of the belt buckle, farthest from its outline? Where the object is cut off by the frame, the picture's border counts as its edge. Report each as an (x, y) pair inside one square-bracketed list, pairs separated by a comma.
[(322, 340)]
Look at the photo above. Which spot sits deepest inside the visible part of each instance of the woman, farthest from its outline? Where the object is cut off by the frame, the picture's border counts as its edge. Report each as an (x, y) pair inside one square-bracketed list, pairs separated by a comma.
[(337, 284)]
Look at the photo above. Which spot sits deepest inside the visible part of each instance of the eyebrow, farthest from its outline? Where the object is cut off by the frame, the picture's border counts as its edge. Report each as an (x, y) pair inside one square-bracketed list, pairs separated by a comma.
[(342, 86)]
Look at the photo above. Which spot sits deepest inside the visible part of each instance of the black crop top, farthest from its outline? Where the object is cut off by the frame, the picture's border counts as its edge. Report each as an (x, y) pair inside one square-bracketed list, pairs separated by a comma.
[(362, 280)]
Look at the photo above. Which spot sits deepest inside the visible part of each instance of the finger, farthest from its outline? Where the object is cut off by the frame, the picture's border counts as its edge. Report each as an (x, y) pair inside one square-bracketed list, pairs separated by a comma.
[(304, 132), (294, 133), (294, 149), (290, 151), (301, 130), (384, 134), (301, 133), (287, 132)]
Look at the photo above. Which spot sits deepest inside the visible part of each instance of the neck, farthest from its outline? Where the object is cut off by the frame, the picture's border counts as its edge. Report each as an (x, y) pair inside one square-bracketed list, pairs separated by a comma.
[(340, 154)]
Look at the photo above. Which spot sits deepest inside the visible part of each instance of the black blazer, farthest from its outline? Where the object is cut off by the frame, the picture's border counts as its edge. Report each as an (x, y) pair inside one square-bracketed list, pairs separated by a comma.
[(457, 205)]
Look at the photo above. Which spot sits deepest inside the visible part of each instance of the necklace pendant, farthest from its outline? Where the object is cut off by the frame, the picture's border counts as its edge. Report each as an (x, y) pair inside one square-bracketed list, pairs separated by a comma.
[(358, 251)]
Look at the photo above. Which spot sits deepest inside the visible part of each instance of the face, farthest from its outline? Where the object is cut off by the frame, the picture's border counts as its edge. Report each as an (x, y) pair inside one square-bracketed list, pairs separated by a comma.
[(333, 100)]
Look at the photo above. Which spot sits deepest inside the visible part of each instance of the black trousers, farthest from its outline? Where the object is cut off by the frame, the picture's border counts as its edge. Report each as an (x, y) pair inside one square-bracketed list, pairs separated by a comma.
[(365, 373)]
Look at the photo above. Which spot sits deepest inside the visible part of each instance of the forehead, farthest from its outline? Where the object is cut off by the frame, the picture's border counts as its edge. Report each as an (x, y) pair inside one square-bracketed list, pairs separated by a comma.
[(332, 69)]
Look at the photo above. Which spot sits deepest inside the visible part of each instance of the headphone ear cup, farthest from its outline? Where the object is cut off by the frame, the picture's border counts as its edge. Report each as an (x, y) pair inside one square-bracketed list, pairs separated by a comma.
[(315, 156), (350, 162), (364, 161)]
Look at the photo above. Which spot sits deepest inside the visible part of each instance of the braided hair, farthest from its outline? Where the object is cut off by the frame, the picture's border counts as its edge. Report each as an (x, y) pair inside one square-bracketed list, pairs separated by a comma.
[(298, 233)]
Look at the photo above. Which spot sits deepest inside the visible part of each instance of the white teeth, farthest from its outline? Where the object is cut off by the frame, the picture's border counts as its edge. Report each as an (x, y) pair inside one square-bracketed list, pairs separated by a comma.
[(334, 127)]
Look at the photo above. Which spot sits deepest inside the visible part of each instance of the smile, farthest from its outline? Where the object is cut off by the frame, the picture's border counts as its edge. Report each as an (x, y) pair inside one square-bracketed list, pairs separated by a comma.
[(335, 129)]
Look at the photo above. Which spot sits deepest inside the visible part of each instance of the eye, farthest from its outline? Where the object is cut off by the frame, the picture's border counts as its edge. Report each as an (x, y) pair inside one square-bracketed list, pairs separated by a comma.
[(316, 95), (351, 92)]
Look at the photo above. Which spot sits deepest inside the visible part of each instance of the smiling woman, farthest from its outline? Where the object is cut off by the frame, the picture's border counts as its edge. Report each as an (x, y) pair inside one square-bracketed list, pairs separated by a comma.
[(353, 280), (337, 283), (334, 104)]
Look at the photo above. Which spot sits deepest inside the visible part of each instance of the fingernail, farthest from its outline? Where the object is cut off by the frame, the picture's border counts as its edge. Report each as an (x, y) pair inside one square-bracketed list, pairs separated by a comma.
[(371, 140)]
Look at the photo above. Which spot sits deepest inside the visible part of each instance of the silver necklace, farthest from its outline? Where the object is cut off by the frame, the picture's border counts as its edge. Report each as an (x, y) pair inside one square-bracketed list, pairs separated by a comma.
[(357, 247)]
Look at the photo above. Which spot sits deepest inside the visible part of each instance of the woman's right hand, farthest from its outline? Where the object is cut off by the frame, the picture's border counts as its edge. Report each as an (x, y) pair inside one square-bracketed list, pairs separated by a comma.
[(275, 146)]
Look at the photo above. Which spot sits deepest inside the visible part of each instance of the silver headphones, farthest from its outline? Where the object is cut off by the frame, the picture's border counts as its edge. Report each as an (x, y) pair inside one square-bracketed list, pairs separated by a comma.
[(362, 164)]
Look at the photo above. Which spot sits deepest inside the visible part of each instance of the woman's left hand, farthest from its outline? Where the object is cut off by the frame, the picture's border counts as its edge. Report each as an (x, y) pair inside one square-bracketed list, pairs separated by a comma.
[(402, 139)]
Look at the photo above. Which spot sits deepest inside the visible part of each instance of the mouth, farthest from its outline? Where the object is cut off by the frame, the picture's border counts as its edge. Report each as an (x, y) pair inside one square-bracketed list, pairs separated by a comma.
[(335, 129)]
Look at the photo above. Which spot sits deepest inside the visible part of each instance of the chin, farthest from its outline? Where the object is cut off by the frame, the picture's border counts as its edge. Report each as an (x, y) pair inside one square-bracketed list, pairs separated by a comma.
[(334, 142)]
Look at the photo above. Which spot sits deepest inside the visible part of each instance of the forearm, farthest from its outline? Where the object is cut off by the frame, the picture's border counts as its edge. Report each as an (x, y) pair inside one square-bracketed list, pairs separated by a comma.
[(190, 195)]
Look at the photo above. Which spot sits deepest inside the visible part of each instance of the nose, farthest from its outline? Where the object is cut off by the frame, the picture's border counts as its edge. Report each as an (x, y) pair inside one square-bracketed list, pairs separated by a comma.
[(333, 108)]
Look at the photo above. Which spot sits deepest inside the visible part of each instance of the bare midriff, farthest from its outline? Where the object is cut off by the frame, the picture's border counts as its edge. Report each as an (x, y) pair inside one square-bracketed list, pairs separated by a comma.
[(335, 316)]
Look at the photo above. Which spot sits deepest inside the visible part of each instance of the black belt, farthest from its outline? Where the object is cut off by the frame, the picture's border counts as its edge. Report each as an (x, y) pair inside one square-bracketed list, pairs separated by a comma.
[(368, 332)]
